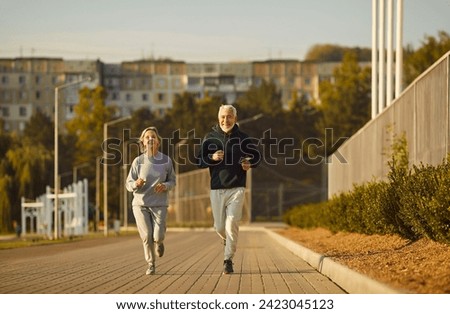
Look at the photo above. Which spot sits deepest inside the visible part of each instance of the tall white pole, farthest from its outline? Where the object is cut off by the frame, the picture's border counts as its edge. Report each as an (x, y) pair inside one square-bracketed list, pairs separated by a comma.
[(390, 54), (399, 50), (105, 180), (381, 54), (97, 192), (177, 179), (125, 192), (105, 170), (374, 60), (56, 166), (56, 163)]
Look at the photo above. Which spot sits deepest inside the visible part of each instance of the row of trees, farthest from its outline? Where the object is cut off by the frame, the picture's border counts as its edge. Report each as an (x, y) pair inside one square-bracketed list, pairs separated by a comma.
[(344, 107)]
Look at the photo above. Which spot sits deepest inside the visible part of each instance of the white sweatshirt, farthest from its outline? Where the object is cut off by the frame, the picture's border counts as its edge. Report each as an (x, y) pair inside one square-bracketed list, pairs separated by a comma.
[(155, 169)]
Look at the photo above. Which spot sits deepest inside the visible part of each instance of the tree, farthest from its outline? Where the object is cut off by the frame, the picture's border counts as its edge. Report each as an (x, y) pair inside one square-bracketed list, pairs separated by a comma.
[(84, 136), (29, 162), (5, 199), (345, 103), (335, 53), (190, 118), (39, 130), (301, 117), (264, 99), (416, 62), (181, 115), (87, 125)]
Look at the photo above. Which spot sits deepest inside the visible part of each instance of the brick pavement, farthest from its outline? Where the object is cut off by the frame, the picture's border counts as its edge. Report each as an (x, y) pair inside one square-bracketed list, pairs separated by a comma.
[(192, 264)]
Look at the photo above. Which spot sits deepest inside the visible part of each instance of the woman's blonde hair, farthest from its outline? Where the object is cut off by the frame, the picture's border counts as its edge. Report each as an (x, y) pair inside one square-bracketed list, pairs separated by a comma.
[(141, 138)]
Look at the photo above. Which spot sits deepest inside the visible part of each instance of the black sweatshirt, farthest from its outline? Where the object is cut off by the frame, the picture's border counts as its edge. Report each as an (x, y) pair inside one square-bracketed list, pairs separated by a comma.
[(237, 145)]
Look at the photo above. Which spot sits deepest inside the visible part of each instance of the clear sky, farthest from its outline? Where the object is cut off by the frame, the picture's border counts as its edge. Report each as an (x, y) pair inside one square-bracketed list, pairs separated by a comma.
[(199, 30)]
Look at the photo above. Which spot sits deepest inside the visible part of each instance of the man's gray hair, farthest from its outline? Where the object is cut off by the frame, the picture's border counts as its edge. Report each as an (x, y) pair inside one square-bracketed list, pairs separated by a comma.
[(228, 108)]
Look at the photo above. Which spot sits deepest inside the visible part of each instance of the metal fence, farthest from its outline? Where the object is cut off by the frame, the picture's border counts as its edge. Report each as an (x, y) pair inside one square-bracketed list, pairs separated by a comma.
[(189, 202), (421, 113)]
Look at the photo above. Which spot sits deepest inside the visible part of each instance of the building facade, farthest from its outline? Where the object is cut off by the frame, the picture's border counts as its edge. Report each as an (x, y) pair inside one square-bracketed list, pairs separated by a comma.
[(28, 84)]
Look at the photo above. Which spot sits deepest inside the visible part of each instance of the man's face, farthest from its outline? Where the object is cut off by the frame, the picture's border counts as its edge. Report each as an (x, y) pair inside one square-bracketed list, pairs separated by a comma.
[(226, 120)]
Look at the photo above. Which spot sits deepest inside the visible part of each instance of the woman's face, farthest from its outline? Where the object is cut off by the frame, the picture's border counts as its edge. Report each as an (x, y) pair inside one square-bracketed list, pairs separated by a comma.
[(150, 140)]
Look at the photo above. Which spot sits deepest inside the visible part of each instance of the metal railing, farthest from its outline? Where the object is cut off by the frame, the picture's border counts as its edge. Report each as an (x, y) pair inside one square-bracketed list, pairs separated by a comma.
[(194, 206)]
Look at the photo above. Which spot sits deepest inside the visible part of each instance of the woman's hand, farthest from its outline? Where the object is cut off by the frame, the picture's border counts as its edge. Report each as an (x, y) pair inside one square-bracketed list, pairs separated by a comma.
[(140, 182), (160, 187)]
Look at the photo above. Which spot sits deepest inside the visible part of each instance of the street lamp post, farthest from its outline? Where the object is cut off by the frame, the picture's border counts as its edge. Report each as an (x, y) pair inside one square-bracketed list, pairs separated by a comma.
[(97, 191), (177, 179), (56, 164), (124, 176), (105, 170)]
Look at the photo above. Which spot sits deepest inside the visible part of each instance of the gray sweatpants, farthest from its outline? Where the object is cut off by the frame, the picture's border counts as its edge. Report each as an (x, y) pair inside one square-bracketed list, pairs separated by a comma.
[(151, 224), (226, 207)]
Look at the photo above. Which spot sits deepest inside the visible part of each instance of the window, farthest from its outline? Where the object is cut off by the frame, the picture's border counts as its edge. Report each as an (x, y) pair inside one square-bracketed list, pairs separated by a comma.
[(227, 80), (193, 81), (4, 80), (22, 111), (37, 79), (38, 94), (210, 81), (6, 95), (161, 97), (5, 111), (161, 83), (129, 83), (128, 97), (144, 97), (177, 83), (257, 81), (21, 79)]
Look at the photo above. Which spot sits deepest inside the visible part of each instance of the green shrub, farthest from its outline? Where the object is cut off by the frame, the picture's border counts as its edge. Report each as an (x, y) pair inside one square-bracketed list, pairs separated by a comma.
[(306, 216), (425, 202), (412, 203)]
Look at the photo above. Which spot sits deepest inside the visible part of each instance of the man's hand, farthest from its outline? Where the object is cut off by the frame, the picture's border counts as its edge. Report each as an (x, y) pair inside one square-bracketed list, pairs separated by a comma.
[(218, 155), (245, 164)]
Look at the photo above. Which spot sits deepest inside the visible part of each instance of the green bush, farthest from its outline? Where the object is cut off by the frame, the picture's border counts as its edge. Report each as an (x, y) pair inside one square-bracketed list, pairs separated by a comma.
[(411, 203), (306, 216), (425, 201)]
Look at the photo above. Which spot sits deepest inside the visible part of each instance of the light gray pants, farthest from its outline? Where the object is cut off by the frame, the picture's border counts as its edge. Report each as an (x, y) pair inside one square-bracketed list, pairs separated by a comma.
[(226, 207), (151, 224)]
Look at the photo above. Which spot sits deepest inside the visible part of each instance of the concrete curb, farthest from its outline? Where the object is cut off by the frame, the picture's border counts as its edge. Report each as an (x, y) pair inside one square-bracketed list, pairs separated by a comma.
[(349, 280)]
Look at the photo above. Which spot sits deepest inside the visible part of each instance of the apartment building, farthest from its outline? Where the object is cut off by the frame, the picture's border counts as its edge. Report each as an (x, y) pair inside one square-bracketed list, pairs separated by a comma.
[(226, 80), (25, 85), (28, 84), (145, 83)]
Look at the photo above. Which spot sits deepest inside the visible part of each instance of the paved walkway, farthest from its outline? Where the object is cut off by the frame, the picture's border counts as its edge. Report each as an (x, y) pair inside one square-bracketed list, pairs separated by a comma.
[(192, 264)]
